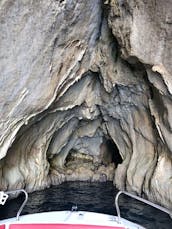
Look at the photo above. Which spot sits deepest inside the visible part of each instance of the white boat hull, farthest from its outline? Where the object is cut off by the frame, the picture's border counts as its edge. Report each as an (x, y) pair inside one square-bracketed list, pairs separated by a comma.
[(69, 219)]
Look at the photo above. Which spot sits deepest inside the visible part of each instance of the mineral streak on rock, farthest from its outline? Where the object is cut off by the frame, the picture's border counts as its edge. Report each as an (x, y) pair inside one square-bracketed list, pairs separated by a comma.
[(77, 76)]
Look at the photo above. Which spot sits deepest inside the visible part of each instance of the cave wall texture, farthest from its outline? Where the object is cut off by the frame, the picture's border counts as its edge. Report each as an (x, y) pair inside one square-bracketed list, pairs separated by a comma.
[(75, 73)]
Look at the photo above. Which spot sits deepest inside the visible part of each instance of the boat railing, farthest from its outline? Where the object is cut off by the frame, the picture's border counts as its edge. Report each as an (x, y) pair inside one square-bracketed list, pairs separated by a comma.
[(4, 196), (139, 199)]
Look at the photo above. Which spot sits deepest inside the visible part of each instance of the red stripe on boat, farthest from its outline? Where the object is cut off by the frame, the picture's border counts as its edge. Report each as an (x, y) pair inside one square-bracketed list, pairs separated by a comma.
[(60, 226), (2, 226)]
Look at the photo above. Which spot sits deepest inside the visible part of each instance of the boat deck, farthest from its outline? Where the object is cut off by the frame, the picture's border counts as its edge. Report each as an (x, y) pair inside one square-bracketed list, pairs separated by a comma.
[(68, 220)]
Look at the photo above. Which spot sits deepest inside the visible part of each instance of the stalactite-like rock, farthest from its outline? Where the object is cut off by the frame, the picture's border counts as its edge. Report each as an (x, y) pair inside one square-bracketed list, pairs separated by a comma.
[(78, 76), (143, 30)]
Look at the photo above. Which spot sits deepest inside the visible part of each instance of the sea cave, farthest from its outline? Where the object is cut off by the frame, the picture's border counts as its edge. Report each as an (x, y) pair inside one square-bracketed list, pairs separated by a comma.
[(86, 95)]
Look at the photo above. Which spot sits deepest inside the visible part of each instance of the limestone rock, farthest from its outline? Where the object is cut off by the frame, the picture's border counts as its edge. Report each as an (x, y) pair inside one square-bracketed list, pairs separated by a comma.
[(143, 30), (75, 74)]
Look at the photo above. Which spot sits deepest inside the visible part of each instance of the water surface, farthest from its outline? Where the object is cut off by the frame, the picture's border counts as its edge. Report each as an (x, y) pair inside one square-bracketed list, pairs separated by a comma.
[(87, 196)]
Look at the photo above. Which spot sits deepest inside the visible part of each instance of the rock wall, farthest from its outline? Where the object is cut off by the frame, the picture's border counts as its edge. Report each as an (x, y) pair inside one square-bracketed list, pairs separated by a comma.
[(77, 74)]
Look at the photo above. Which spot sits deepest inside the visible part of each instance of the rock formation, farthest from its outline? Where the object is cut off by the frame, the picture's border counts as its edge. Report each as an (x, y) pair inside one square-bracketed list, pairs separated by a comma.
[(77, 76)]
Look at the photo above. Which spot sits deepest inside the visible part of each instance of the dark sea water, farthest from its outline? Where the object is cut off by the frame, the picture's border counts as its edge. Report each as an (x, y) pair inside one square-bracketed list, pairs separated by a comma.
[(97, 197)]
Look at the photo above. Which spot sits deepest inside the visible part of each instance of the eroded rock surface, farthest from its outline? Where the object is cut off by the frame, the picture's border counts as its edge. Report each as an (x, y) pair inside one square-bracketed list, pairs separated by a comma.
[(86, 94)]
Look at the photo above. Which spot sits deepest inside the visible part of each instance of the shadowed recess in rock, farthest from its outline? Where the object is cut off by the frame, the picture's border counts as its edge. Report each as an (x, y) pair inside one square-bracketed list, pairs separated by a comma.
[(114, 151)]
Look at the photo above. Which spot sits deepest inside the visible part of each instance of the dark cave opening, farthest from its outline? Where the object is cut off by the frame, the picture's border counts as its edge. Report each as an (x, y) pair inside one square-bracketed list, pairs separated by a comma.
[(109, 153), (114, 151)]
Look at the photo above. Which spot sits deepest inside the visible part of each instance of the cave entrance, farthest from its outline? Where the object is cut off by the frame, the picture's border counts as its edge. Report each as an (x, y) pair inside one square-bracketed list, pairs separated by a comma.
[(110, 152), (100, 167)]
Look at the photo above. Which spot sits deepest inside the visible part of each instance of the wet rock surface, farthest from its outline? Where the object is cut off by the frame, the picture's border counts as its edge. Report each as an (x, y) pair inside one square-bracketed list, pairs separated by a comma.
[(76, 76)]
